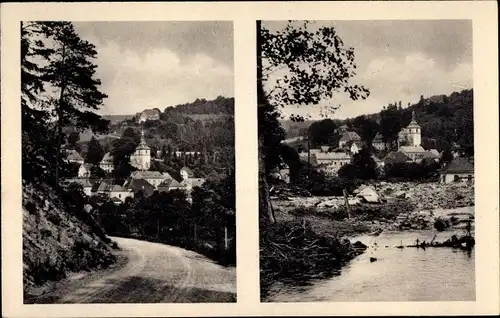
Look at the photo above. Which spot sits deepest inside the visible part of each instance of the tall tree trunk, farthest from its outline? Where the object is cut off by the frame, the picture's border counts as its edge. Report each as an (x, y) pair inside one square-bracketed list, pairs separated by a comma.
[(266, 212), (60, 122)]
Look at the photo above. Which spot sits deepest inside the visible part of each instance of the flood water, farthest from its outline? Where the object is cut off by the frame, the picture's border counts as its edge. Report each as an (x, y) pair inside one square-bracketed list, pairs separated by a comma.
[(409, 274)]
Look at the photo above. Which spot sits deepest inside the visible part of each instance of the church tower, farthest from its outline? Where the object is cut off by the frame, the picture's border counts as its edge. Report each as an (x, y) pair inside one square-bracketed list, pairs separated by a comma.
[(414, 131), (141, 158)]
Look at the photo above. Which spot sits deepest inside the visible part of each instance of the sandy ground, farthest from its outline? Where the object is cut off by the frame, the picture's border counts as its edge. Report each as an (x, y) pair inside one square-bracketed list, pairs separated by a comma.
[(148, 273)]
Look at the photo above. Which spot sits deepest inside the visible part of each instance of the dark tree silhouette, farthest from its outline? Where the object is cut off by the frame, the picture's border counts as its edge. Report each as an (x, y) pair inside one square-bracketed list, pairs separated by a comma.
[(317, 66)]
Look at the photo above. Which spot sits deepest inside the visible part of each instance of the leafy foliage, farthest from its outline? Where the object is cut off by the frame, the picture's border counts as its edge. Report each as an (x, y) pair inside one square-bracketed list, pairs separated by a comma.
[(316, 65), (169, 218), (95, 152)]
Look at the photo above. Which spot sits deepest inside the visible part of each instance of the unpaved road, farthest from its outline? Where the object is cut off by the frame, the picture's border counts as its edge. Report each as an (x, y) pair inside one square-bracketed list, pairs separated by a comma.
[(149, 273)]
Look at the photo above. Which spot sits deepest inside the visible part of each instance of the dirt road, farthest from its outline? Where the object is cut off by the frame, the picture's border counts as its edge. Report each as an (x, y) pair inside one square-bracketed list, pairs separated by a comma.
[(150, 273)]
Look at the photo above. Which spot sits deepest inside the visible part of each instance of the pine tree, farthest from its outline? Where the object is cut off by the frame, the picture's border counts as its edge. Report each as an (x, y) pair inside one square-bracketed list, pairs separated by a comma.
[(72, 73), (38, 147), (95, 152)]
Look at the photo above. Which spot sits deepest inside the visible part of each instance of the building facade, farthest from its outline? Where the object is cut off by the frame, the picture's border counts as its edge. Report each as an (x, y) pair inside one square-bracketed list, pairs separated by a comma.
[(141, 158), (411, 135)]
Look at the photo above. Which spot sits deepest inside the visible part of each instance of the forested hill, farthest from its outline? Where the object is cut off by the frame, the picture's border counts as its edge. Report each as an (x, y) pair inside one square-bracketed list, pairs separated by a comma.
[(444, 119), (220, 105)]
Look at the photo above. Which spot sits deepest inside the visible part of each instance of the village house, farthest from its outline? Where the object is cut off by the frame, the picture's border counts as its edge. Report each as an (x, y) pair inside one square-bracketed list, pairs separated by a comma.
[(378, 142), (191, 183), (460, 169), (348, 136), (149, 114), (106, 163), (140, 185), (308, 157), (74, 157), (84, 182), (396, 157), (152, 177), (84, 170), (169, 184), (120, 192), (331, 162)]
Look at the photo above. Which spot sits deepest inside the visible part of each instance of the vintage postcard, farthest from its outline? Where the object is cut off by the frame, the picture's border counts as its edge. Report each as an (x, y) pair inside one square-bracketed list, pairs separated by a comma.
[(249, 158), (367, 189)]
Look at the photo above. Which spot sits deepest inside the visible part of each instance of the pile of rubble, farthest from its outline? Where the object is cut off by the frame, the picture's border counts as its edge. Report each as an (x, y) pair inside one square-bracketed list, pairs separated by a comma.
[(288, 191), (427, 196)]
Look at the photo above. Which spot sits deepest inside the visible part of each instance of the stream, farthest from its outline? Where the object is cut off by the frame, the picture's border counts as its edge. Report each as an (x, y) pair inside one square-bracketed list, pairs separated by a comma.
[(408, 274)]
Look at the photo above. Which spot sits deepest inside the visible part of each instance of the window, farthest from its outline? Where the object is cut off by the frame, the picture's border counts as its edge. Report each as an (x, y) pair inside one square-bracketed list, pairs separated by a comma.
[(469, 178), (119, 196)]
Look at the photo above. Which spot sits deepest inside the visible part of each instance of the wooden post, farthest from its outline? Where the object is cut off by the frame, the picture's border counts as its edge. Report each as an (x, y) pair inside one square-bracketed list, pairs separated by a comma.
[(348, 208), (226, 247)]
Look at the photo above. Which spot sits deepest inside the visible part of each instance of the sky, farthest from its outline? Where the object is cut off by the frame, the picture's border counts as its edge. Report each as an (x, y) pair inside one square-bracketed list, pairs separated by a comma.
[(398, 61), (158, 64)]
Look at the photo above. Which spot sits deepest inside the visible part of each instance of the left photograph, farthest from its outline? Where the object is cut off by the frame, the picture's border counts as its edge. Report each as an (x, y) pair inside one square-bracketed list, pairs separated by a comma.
[(128, 162)]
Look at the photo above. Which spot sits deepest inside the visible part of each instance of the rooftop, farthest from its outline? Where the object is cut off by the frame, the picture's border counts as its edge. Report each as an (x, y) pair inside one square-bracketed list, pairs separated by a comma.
[(350, 135), (460, 165)]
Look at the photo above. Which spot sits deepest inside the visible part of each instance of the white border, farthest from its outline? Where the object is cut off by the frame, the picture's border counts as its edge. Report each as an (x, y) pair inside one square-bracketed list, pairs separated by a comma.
[(244, 14)]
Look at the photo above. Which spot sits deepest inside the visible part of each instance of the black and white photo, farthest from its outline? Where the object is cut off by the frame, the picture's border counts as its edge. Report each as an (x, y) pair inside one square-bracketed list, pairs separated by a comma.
[(366, 160), (128, 162)]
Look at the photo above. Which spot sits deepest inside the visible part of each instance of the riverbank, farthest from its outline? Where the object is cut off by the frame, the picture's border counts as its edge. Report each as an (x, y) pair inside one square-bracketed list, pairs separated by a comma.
[(402, 207), (293, 254), (433, 274)]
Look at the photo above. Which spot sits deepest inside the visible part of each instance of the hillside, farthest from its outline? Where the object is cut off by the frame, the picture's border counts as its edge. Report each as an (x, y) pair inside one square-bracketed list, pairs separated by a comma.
[(59, 237), (220, 105), (444, 120)]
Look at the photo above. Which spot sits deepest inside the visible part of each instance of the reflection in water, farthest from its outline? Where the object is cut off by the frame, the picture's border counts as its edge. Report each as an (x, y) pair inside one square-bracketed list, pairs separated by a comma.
[(405, 274)]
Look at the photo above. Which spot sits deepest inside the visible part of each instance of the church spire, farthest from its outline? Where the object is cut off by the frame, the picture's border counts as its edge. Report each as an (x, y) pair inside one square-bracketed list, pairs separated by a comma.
[(413, 118)]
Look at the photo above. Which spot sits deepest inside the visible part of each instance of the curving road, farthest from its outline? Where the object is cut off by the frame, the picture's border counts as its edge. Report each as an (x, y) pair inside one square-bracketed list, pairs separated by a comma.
[(152, 273)]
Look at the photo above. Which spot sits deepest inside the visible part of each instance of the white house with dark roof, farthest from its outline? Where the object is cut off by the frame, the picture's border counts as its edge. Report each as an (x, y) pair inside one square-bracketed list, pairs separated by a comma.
[(117, 191), (348, 136), (106, 163), (460, 169), (170, 184), (152, 177), (74, 157), (331, 162), (378, 142)]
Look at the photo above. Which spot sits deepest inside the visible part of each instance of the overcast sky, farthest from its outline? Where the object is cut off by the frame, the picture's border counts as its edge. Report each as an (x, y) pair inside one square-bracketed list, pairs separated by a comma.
[(400, 60), (159, 64)]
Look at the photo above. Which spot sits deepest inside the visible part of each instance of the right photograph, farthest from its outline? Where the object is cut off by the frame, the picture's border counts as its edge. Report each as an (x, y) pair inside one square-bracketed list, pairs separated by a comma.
[(366, 160)]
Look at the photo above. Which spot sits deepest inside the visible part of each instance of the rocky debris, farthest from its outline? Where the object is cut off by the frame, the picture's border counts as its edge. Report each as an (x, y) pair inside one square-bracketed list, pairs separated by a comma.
[(425, 220), (283, 192), (427, 196)]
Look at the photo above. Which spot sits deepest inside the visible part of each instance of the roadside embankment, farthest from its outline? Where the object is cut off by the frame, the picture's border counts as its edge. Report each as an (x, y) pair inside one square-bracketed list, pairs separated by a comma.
[(59, 237)]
